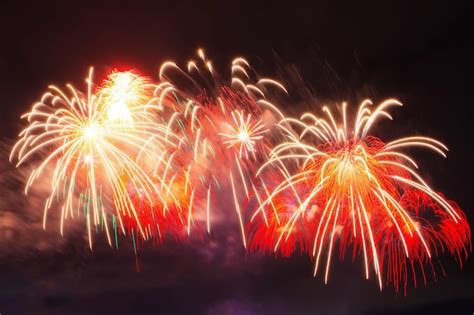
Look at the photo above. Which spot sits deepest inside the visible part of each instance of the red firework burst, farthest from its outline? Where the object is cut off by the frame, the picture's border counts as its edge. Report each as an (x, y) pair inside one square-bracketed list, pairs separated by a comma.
[(351, 189)]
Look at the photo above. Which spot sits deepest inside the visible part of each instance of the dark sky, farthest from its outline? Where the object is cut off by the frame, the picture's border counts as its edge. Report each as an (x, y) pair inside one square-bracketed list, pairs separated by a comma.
[(418, 51)]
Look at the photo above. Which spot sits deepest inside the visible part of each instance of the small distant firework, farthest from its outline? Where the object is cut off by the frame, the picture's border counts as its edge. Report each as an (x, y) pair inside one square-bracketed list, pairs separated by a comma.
[(243, 133), (353, 189)]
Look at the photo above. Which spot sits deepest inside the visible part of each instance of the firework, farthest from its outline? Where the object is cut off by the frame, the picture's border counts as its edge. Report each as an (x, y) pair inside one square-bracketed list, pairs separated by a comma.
[(93, 141), (223, 124), (341, 186), (162, 158)]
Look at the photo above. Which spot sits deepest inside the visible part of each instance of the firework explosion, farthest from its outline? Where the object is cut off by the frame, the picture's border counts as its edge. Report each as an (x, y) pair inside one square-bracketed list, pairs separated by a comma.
[(224, 124), (93, 140), (351, 189), (161, 158)]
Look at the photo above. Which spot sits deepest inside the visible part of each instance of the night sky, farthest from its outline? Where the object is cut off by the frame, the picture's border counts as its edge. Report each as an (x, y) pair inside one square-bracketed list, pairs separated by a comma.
[(417, 51)]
